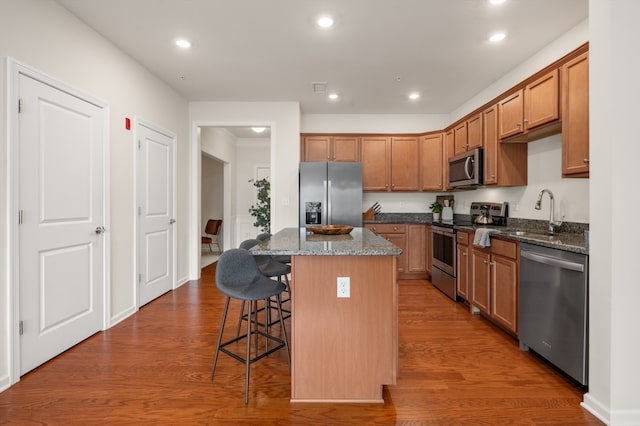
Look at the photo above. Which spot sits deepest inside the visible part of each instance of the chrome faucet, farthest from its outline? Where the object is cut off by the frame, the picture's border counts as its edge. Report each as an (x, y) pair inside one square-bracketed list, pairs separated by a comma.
[(538, 206)]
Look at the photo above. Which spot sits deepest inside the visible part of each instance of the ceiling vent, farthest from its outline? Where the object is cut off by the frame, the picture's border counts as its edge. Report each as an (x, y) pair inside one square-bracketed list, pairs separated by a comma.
[(319, 87)]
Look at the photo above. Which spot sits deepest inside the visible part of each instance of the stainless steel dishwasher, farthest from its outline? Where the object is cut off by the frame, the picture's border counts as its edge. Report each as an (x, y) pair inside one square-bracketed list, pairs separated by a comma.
[(553, 307)]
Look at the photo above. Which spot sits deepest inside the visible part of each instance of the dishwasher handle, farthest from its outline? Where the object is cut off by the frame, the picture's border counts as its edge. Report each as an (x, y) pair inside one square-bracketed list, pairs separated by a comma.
[(552, 261)]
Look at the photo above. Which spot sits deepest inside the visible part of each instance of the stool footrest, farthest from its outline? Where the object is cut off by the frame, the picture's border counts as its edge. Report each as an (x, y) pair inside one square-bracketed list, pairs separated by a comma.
[(281, 344)]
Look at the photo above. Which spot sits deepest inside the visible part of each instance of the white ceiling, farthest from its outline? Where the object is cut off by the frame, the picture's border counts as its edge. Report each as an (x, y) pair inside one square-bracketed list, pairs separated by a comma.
[(378, 51)]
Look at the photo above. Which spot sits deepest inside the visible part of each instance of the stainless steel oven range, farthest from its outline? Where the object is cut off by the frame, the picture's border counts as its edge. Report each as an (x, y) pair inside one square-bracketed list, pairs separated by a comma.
[(443, 240)]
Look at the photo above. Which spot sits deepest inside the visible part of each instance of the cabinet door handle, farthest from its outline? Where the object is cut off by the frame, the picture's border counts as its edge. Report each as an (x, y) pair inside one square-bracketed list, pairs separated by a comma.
[(585, 161)]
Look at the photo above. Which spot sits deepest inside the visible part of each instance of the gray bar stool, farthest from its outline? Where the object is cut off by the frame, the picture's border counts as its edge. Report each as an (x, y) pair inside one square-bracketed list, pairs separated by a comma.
[(271, 269), (238, 277)]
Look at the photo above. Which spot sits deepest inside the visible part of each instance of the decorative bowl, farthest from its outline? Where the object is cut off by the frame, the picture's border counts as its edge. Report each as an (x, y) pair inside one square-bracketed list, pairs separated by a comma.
[(330, 229)]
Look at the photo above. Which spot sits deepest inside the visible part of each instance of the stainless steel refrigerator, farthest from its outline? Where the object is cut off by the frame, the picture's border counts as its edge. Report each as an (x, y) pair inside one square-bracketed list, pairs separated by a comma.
[(330, 194)]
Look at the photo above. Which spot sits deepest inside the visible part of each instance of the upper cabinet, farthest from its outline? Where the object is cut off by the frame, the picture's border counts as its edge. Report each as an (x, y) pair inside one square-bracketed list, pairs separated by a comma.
[(525, 114), (330, 148), (431, 161), (505, 164), (405, 163), (390, 163), (468, 134), (376, 163), (575, 117)]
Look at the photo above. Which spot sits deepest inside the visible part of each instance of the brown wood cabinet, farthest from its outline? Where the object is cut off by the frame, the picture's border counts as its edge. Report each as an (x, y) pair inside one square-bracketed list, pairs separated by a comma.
[(474, 132), (494, 282), (463, 264), (412, 239), (405, 163), (330, 148), (575, 117), (431, 162), (390, 163), (449, 149), (397, 234), (468, 134), (416, 248), (529, 109), (375, 155), (505, 164)]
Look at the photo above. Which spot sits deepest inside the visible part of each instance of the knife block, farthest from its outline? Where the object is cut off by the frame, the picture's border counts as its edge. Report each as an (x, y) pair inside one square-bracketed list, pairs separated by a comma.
[(369, 215)]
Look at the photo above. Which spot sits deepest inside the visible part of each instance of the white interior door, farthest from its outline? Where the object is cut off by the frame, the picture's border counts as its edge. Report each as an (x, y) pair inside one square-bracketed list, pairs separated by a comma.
[(155, 212), (61, 241)]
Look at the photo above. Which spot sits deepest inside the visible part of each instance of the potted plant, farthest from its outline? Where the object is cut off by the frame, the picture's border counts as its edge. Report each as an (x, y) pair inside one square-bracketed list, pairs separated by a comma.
[(261, 211), (436, 208)]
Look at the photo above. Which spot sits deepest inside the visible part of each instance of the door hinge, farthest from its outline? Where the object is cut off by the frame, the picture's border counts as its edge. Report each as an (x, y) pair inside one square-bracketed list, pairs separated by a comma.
[(139, 144), (19, 106), (139, 211), (139, 278), (21, 328), (19, 217)]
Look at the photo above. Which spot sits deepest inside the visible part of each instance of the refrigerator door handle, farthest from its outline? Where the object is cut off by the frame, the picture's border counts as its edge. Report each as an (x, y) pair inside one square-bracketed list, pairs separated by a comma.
[(329, 199)]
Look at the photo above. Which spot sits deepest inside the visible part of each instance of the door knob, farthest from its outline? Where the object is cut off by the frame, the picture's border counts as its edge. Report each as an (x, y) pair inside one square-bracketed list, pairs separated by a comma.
[(172, 221), (100, 230)]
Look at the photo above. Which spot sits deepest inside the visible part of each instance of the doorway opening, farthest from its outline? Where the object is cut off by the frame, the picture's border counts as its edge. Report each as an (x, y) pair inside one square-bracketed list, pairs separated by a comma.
[(230, 156)]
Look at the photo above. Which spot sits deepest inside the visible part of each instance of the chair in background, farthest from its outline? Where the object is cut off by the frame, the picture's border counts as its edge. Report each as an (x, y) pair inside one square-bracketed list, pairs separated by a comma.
[(212, 229), (238, 277)]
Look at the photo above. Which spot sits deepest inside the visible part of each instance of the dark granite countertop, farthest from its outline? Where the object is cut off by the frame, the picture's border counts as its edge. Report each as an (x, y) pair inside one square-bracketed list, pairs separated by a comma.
[(299, 242), (570, 236), (567, 241)]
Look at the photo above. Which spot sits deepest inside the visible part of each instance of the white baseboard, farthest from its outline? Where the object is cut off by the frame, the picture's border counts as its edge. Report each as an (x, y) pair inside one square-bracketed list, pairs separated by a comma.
[(596, 408), (122, 316)]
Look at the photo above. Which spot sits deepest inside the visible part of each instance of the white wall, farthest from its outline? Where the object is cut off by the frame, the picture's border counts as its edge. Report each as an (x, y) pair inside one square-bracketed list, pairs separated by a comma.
[(614, 316), (284, 120), (373, 123), (43, 35)]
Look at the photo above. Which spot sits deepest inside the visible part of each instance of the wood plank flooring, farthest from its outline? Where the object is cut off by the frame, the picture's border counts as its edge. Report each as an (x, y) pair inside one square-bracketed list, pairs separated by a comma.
[(153, 368)]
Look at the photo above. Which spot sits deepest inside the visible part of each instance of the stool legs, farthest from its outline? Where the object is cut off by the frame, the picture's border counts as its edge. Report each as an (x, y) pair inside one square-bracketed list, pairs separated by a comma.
[(224, 318), (252, 316)]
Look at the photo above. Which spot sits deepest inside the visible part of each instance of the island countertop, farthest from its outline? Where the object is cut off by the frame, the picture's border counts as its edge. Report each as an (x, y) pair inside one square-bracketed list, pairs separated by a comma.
[(300, 242)]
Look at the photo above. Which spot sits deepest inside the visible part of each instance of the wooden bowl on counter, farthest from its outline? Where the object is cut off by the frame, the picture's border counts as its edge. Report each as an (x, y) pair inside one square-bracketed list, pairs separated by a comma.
[(330, 229)]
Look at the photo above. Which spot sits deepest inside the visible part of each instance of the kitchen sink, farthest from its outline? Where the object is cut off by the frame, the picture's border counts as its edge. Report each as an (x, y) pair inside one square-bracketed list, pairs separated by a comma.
[(535, 236)]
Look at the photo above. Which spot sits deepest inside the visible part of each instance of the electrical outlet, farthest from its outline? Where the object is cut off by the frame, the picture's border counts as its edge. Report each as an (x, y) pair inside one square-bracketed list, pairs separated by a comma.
[(344, 287)]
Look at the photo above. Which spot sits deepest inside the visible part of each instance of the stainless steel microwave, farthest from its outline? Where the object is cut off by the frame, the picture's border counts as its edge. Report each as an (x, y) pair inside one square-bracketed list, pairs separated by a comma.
[(465, 170)]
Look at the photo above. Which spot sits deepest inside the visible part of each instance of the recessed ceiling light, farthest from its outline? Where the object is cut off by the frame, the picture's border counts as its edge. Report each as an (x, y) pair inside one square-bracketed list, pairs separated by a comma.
[(333, 96), (497, 37), (182, 43), (325, 21), (414, 96), (258, 129), (497, 1)]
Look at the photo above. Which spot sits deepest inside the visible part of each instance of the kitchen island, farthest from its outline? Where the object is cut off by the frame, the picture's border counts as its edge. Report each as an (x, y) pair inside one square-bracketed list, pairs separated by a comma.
[(343, 349)]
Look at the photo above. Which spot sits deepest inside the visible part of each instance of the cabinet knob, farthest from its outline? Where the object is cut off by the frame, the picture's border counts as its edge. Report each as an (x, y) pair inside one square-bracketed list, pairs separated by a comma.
[(526, 121), (585, 161)]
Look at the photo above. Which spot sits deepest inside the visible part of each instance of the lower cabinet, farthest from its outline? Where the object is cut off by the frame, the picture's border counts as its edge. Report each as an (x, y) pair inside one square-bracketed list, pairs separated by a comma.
[(412, 239), (494, 282), (463, 257)]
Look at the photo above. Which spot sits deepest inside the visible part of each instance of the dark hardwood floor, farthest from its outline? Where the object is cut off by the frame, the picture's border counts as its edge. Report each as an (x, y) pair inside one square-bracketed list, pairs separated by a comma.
[(153, 368)]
